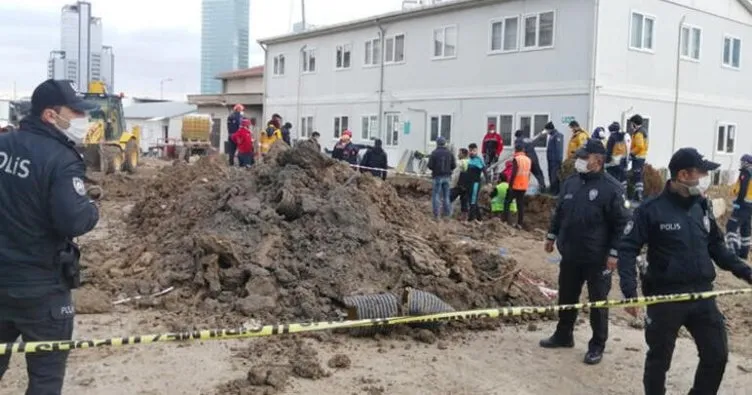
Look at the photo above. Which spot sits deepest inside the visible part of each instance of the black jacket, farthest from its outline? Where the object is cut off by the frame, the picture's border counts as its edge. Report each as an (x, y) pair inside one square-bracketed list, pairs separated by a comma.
[(346, 152), (441, 162), (233, 124), (375, 157), (529, 145), (589, 218), (683, 240), (43, 204)]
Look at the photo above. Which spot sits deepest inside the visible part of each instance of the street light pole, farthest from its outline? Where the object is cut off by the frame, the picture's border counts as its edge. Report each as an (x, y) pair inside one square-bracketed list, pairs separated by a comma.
[(161, 87)]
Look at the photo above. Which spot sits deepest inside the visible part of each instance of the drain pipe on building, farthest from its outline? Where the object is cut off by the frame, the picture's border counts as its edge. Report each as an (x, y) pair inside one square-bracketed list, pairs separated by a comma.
[(676, 84), (266, 83), (382, 38), (594, 66), (300, 83)]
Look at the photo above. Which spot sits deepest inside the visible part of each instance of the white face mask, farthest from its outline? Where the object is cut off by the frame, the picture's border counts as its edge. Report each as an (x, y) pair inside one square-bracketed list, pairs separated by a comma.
[(581, 165)]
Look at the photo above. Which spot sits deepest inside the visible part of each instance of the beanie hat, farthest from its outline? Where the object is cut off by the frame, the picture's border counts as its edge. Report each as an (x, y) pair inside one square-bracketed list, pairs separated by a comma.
[(549, 126), (614, 127), (441, 141)]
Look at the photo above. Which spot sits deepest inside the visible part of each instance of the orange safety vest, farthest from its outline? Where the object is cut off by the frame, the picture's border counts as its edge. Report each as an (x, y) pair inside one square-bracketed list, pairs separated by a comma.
[(522, 178)]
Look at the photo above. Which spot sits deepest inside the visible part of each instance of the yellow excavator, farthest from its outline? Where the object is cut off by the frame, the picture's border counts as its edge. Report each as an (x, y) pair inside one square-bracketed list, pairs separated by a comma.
[(108, 146)]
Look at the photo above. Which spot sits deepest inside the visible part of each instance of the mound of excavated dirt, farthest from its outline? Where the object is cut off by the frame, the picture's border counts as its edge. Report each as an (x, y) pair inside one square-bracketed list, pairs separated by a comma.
[(652, 178), (288, 239)]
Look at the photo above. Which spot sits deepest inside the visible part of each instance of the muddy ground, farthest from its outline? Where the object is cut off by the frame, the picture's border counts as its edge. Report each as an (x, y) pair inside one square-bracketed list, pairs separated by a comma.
[(238, 251)]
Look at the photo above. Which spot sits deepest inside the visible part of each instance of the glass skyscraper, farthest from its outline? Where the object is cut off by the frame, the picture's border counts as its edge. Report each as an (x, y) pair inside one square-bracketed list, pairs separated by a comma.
[(224, 40)]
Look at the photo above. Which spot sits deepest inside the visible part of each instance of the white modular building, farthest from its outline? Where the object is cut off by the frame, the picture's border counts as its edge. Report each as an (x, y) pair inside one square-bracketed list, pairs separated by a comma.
[(452, 68)]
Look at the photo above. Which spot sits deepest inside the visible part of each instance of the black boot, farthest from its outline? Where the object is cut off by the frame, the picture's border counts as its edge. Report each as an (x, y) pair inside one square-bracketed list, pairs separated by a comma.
[(594, 356), (557, 342)]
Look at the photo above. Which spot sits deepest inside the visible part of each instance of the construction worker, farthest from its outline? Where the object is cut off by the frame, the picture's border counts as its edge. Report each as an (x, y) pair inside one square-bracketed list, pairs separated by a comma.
[(270, 135), (442, 163), (498, 197), (638, 154), (683, 240), (475, 171), (375, 158), (554, 156), (345, 150), (617, 154), (244, 142), (492, 145), (461, 185), (739, 228), (578, 139), (519, 182), (44, 204), (233, 124), (529, 144), (588, 221)]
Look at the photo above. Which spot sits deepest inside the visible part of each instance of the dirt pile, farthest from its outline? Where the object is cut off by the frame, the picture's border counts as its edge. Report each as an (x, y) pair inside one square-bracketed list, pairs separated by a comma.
[(288, 240), (652, 177)]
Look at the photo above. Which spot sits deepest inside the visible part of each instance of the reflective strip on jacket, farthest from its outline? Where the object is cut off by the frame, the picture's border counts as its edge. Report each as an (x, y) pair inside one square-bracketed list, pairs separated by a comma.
[(578, 139), (497, 203), (639, 147), (741, 190)]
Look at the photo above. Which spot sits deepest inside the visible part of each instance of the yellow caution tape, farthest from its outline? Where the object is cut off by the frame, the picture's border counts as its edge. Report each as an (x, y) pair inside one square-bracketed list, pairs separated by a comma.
[(271, 330)]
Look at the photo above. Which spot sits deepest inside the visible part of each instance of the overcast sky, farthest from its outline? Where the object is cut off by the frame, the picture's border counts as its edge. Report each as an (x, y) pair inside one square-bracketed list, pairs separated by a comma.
[(151, 39)]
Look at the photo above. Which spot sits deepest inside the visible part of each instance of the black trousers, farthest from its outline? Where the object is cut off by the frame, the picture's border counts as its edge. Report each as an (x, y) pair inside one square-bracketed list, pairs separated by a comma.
[(519, 197), (230, 148), (459, 192), (706, 324), (48, 318), (538, 174), (553, 177), (572, 276)]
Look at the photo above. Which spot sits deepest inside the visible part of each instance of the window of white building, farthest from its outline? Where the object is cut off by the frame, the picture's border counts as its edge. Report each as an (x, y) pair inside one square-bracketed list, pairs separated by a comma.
[(369, 127), (691, 38), (539, 30), (306, 126), (531, 125), (394, 51), (309, 60), (392, 129), (441, 126), (642, 29), (445, 42), (726, 138), (341, 124), (504, 124), (372, 52), (343, 56), (505, 34), (279, 65), (732, 52)]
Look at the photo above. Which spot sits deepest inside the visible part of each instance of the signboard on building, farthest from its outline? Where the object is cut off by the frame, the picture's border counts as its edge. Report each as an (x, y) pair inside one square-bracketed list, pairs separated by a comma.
[(566, 119)]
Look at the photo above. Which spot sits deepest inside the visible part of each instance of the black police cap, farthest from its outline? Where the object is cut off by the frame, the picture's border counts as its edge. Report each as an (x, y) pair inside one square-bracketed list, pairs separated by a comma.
[(592, 146), (690, 158), (52, 93)]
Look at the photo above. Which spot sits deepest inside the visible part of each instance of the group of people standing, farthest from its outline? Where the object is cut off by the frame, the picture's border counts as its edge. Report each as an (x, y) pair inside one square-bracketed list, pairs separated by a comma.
[(240, 140)]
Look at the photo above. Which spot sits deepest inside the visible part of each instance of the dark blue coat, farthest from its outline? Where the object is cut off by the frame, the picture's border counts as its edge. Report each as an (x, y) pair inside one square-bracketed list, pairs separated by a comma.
[(43, 204), (683, 241), (555, 149), (233, 124)]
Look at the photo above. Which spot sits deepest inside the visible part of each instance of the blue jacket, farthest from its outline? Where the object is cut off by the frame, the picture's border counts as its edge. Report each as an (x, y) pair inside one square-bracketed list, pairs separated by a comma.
[(441, 162), (683, 241), (475, 169), (43, 204), (233, 124), (555, 149)]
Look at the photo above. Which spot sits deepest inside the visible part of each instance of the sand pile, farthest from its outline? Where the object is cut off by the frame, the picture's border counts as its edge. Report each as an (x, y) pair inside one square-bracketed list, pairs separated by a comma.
[(652, 177), (288, 240)]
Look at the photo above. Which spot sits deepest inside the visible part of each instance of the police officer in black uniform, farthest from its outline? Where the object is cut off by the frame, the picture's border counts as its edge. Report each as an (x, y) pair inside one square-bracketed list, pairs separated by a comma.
[(683, 240), (43, 206), (587, 224)]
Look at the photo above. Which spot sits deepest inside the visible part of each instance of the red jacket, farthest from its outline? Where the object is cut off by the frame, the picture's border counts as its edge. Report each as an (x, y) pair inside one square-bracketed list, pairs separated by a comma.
[(243, 139), (507, 172), (491, 142)]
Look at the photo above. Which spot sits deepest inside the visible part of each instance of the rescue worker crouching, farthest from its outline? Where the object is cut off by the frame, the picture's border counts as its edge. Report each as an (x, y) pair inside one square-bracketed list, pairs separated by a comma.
[(345, 150), (617, 154), (638, 154), (578, 139), (683, 240), (270, 135), (588, 221), (498, 197), (244, 142), (43, 206), (739, 226), (519, 182)]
